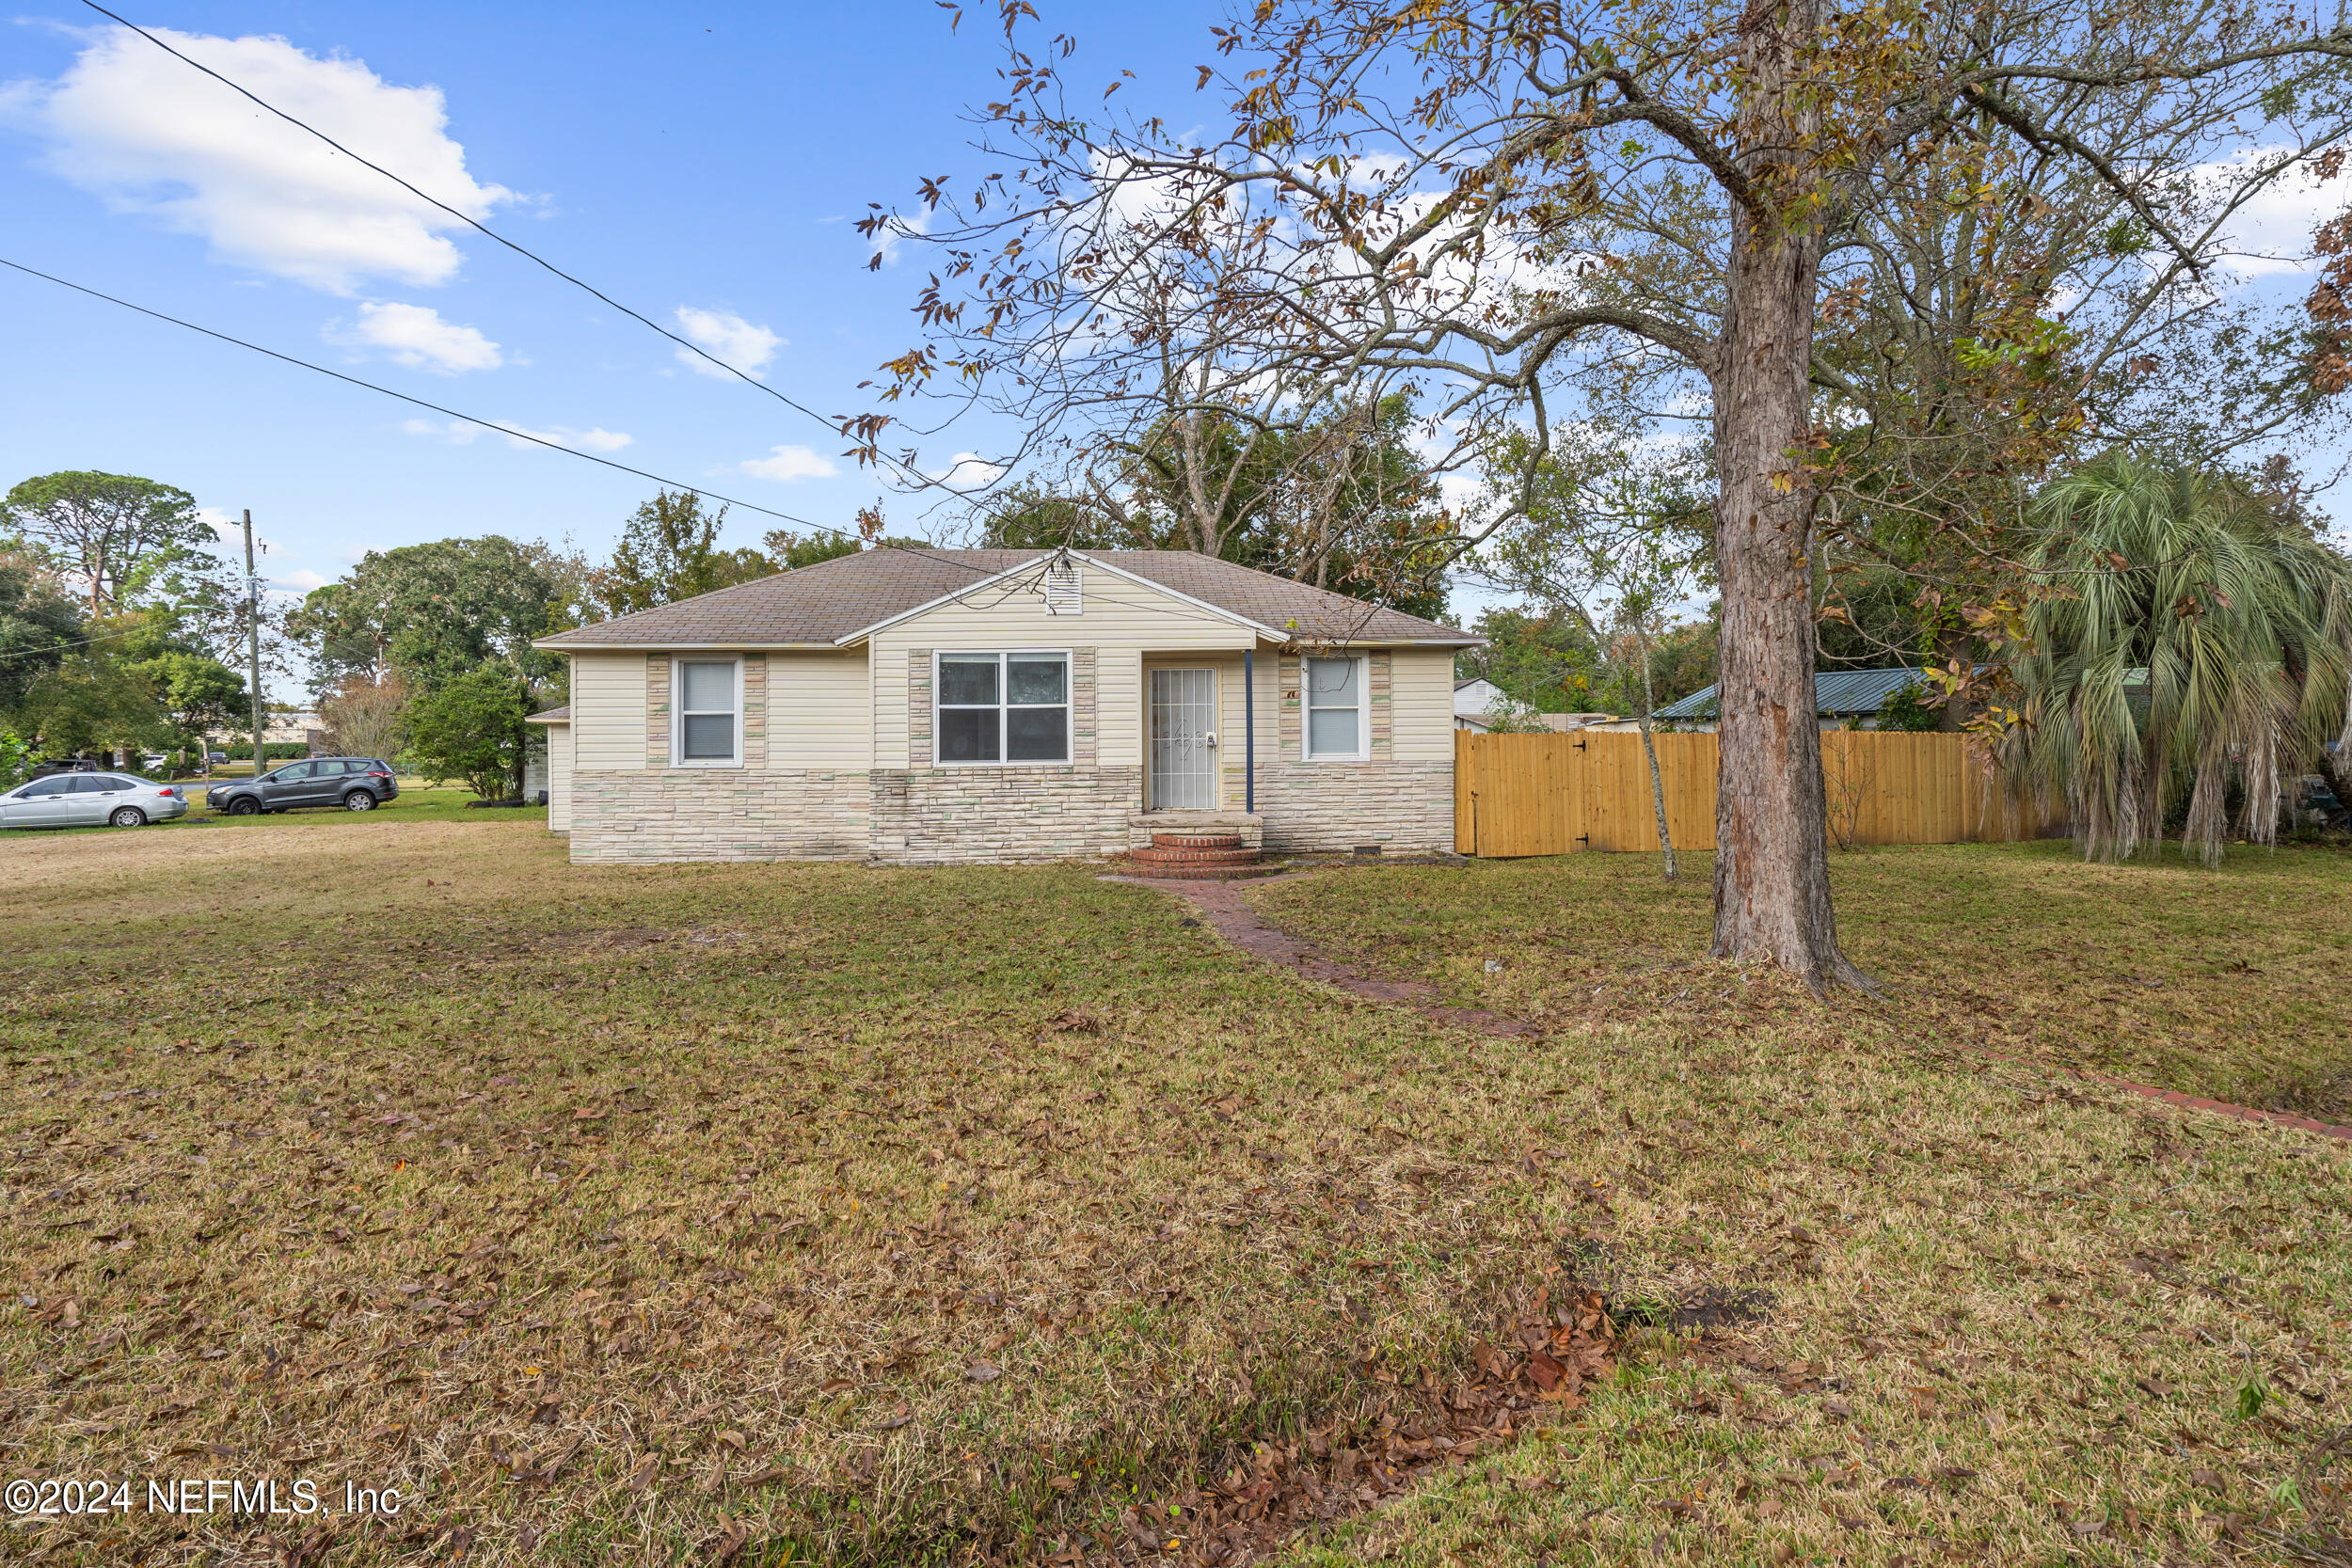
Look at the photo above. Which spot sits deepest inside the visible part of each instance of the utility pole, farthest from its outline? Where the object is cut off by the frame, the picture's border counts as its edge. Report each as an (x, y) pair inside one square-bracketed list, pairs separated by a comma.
[(253, 637)]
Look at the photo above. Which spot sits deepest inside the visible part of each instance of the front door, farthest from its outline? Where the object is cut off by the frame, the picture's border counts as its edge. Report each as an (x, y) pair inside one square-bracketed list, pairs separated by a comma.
[(1184, 739)]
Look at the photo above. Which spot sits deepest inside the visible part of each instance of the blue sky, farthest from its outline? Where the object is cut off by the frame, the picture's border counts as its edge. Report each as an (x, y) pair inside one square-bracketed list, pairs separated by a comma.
[(703, 164), (711, 159)]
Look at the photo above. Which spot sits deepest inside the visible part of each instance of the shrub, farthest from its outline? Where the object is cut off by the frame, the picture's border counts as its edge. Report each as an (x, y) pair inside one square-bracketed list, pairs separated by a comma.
[(471, 729)]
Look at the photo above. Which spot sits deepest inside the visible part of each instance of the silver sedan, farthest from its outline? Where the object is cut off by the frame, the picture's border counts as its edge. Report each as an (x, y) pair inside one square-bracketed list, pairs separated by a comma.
[(91, 800)]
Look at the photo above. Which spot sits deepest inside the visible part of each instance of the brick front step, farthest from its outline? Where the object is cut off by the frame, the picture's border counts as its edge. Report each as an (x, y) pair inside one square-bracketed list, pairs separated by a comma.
[(1159, 856), (1196, 873), (1195, 841)]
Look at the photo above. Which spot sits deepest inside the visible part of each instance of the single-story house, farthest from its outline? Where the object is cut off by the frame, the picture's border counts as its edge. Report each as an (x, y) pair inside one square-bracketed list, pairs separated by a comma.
[(917, 706), (1477, 701), (1846, 700)]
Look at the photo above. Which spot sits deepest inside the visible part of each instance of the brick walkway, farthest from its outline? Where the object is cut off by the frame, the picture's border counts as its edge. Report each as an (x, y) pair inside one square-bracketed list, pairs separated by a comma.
[(1227, 910), (1225, 907)]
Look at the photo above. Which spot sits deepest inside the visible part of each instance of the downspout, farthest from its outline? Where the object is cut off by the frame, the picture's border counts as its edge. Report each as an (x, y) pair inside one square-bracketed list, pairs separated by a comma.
[(1249, 730)]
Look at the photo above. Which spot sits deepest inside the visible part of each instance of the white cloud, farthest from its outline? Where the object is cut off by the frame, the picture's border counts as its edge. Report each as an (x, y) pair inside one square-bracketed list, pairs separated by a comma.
[(791, 462), (2272, 232), (230, 531), (147, 135), (462, 433), (417, 337), (969, 471), (728, 338), (898, 230), (300, 582)]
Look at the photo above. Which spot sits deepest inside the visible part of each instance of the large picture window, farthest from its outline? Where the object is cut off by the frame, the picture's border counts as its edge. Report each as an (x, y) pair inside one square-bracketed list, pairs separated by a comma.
[(1335, 707), (709, 732), (997, 708)]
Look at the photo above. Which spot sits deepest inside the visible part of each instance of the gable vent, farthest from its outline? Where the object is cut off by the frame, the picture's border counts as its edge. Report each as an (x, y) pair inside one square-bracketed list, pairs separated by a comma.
[(1063, 594)]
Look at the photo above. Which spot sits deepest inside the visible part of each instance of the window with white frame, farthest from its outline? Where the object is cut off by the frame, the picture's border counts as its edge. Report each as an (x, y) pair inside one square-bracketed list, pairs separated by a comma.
[(708, 731), (1335, 706), (997, 708)]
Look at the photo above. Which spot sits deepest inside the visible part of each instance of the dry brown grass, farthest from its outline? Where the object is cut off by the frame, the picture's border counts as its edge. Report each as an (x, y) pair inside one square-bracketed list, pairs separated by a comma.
[(607, 1207), (623, 1210), (2229, 984)]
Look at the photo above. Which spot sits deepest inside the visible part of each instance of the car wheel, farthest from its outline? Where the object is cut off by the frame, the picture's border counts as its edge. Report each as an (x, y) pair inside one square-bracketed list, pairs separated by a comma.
[(358, 799), (128, 817), (244, 805)]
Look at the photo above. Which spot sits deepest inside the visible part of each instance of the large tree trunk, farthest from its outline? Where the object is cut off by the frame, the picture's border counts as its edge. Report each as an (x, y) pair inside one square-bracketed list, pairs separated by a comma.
[(1771, 843)]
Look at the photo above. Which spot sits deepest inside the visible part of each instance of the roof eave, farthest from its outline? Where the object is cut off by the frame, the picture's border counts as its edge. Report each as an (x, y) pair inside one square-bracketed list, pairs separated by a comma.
[(730, 646)]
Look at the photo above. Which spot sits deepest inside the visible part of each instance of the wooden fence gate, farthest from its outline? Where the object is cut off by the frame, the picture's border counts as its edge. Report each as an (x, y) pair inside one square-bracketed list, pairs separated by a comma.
[(1562, 794)]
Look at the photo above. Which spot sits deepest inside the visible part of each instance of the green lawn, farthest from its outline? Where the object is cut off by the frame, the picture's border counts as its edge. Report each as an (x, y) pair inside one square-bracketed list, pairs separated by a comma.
[(882, 1215), (416, 803)]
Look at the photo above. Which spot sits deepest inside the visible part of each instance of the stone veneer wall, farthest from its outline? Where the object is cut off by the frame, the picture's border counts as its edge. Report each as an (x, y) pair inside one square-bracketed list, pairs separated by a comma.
[(712, 813), (954, 815), (657, 710), (1404, 807)]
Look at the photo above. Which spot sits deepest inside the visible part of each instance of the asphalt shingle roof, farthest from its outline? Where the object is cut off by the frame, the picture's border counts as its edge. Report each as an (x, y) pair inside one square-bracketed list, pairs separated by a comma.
[(835, 598), (1835, 692)]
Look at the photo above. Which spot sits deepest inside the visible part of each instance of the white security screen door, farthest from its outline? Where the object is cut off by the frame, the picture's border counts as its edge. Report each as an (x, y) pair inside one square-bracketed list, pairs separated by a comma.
[(1184, 739)]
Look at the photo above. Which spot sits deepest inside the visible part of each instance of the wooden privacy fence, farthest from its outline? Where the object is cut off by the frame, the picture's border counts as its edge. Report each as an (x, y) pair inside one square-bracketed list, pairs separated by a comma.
[(1560, 794)]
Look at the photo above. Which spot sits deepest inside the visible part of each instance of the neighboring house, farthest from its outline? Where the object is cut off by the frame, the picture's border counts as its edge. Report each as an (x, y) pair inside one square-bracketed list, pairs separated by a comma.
[(1477, 701), (1475, 704), (917, 706), (1847, 699), (280, 727)]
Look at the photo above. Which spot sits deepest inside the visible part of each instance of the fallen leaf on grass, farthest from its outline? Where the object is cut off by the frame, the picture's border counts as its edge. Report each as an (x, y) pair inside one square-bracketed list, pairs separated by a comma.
[(641, 1475), (981, 1371)]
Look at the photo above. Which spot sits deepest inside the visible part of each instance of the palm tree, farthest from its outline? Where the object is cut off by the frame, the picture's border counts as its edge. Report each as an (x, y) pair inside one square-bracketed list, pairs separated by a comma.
[(2189, 633)]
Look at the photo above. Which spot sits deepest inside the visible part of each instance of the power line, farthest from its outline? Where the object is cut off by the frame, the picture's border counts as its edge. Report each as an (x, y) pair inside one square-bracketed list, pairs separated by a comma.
[(48, 648), (977, 571), (468, 418), (475, 223)]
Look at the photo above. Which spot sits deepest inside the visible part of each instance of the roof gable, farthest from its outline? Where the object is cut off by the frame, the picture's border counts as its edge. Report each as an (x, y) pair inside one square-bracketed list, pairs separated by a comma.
[(842, 601)]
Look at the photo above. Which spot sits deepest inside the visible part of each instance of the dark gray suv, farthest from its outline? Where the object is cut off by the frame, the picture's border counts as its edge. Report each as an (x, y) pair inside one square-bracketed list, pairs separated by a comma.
[(351, 784)]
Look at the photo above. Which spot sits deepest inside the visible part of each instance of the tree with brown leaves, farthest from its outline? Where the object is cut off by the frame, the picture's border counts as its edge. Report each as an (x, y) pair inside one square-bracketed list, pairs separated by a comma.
[(1490, 202)]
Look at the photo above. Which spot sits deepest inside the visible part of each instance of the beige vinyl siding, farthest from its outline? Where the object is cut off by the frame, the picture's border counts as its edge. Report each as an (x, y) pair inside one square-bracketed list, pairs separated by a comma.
[(559, 778), (1421, 704), (609, 711), (818, 711), (1120, 620)]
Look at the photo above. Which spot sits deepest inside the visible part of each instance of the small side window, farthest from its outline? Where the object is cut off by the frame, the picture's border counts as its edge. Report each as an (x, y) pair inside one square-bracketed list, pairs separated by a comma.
[(706, 712)]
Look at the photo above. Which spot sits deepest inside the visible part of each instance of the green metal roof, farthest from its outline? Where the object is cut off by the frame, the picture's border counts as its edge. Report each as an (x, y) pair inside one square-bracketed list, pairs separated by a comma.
[(1836, 692)]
